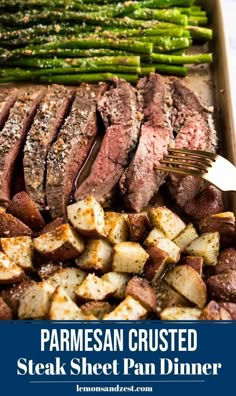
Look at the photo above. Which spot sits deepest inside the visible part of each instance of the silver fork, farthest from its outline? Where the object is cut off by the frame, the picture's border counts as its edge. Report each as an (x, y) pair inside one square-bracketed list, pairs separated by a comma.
[(212, 167)]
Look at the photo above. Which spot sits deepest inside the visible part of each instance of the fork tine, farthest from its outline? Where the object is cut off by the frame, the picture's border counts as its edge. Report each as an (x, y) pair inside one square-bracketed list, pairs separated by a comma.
[(198, 153), (181, 171), (183, 163), (190, 157)]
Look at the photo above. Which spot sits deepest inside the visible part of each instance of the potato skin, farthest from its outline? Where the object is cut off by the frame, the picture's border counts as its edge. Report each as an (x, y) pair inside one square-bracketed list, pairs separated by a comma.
[(26, 210), (223, 286), (12, 294), (196, 262), (139, 226), (52, 225), (10, 226), (5, 311), (214, 311), (230, 307), (156, 263), (139, 289), (226, 260), (224, 225)]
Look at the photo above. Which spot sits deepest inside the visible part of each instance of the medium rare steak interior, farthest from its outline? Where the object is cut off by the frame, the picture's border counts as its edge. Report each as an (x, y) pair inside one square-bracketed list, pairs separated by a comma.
[(68, 153), (119, 110), (141, 180), (56, 128)]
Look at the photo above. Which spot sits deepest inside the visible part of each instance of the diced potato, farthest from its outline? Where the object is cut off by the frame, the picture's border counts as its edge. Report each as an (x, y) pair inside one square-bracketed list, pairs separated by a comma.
[(168, 297), (118, 280), (20, 250), (94, 288), (63, 308), (13, 293), (61, 244), (26, 210), (10, 226), (180, 313), (196, 262), (69, 278), (52, 225), (158, 239), (97, 256), (5, 311), (87, 217), (143, 292), (35, 302), (167, 221), (116, 228), (9, 271), (188, 282), (129, 257), (207, 246), (230, 307), (96, 308), (213, 311), (223, 222), (156, 264), (223, 286), (139, 226), (186, 236), (128, 309)]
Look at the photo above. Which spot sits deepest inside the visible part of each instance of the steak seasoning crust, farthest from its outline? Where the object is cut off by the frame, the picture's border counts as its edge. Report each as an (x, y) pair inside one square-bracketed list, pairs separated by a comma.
[(13, 135), (141, 180), (47, 122), (119, 111), (68, 153), (7, 100), (193, 123)]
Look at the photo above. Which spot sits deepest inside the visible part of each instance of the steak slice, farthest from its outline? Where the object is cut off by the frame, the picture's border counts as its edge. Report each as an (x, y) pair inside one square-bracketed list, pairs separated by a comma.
[(7, 100), (194, 124), (47, 122), (13, 134), (141, 180), (67, 155), (119, 111)]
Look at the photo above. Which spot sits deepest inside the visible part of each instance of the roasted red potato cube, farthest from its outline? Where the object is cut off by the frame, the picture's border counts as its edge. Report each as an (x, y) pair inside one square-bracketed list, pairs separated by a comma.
[(26, 210), (139, 289), (10, 226)]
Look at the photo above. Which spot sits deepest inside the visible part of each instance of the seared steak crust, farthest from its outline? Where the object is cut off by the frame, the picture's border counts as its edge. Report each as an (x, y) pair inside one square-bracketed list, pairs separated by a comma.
[(47, 122), (67, 155), (141, 179), (7, 100), (194, 124), (119, 110), (13, 134)]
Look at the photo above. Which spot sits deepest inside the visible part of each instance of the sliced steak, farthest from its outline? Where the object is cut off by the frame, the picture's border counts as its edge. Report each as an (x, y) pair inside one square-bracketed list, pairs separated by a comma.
[(141, 180), (13, 134), (47, 122), (119, 111), (7, 100), (67, 155), (195, 130)]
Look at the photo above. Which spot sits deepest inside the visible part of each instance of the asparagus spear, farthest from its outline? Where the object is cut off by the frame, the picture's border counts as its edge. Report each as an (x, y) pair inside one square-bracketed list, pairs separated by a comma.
[(200, 32), (170, 15), (75, 62), (126, 45), (92, 78), (19, 74), (168, 69), (166, 3), (181, 59), (166, 43)]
